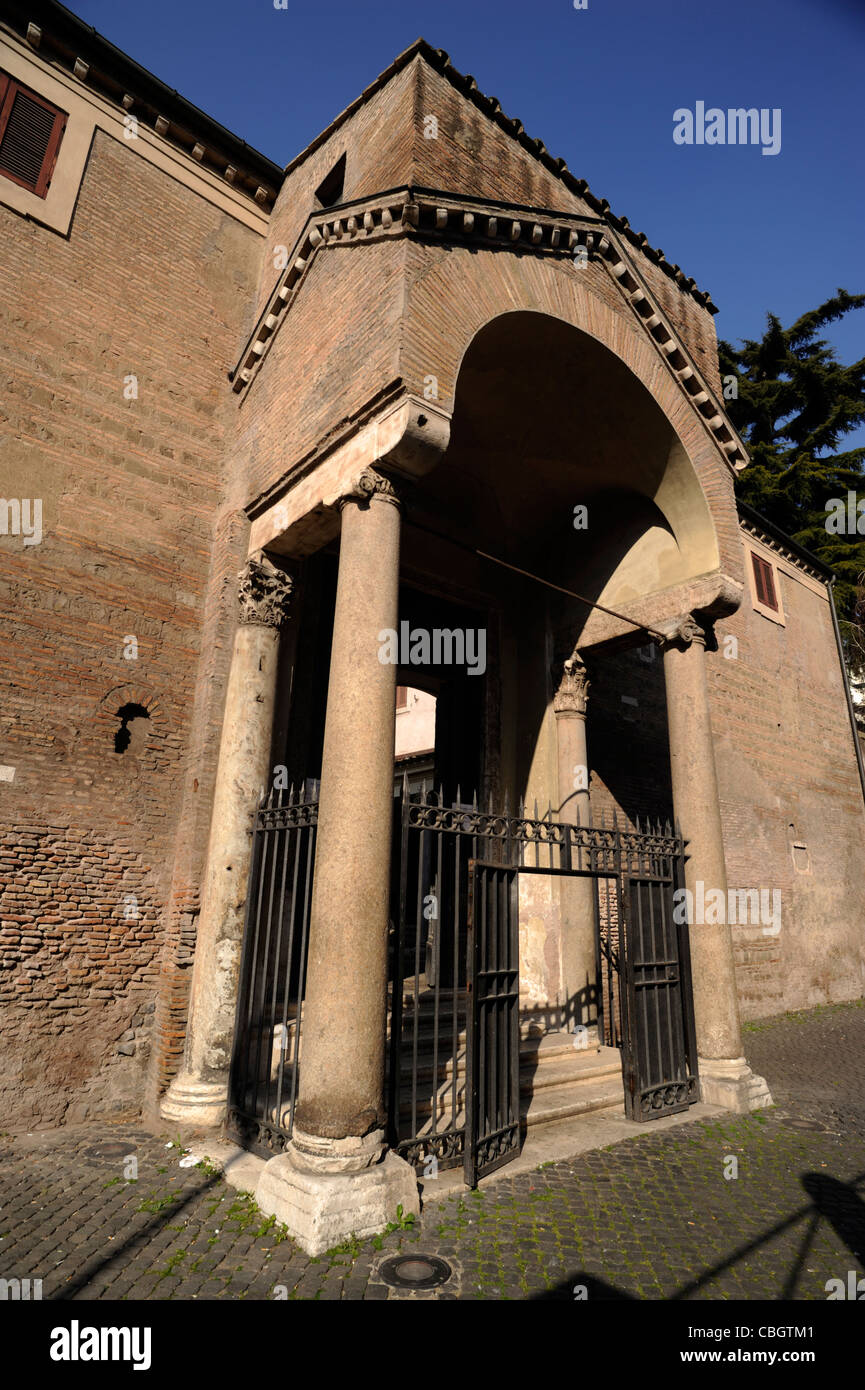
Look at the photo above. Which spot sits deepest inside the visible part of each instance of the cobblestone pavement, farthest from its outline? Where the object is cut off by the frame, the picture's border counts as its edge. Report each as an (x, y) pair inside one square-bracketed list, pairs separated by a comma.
[(658, 1217)]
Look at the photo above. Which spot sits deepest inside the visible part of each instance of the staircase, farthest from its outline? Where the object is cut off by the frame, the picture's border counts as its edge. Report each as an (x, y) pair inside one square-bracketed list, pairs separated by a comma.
[(557, 1081)]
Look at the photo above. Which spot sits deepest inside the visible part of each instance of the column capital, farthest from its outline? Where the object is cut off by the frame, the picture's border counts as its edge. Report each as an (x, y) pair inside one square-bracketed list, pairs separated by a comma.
[(683, 631), (572, 695), (369, 484), (264, 591)]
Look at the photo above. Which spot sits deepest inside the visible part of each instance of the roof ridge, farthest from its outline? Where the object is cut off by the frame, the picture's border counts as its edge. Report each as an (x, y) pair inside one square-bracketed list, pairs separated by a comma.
[(467, 85)]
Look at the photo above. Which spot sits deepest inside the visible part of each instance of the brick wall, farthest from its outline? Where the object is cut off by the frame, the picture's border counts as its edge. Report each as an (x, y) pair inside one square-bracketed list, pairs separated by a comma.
[(371, 313), (152, 282), (791, 802), (788, 776)]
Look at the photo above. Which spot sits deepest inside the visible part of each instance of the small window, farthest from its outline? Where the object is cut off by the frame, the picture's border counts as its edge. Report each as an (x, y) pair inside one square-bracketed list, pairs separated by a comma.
[(764, 582), (30, 133), (402, 697), (330, 190)]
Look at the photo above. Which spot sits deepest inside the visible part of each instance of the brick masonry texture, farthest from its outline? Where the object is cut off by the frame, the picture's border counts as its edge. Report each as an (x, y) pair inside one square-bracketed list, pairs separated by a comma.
[(386, 306), (146, 503), (153, 282), (787, 776), (786, 771)]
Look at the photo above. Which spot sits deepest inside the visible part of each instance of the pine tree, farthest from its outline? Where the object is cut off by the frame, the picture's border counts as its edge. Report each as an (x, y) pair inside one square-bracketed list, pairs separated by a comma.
[(795, 404)]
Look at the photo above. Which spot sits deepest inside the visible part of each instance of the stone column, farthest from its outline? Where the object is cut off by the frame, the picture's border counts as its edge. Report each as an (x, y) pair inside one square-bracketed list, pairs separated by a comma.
[(199, 1094), (576, 895), (725, 1076), (336, 1177)]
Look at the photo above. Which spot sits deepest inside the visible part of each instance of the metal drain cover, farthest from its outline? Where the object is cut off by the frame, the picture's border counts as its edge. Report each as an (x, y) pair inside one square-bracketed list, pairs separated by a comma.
[(415, 1272), (813, 1126), (112, 1148)]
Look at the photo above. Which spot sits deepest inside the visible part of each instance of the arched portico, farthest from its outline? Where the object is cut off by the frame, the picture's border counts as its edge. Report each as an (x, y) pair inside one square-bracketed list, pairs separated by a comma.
[(470, 497), (564, 464)]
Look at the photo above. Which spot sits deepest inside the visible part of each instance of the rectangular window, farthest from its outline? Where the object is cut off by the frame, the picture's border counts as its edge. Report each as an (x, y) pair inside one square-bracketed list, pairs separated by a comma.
[(30, 133), (764, 582), (330, 190), (402, 697)]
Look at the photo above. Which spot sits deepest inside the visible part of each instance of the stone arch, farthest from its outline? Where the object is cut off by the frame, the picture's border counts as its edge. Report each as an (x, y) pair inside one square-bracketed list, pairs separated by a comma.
[(545, 415), (476, 289)]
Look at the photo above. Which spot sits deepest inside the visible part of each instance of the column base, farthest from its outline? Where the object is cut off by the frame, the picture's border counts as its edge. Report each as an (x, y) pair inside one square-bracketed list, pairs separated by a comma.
[(730, 1082), (190, 1101), (321, 1210)]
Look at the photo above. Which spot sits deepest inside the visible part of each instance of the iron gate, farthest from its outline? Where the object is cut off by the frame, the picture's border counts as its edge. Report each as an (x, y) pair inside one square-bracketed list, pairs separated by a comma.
[(266, 1054), (659, 1046), (454, 1036), (453, 995), (493, 1021)]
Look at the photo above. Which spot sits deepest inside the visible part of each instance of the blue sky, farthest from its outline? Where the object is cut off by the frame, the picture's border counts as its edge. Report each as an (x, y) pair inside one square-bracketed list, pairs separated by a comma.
[(599, 86)]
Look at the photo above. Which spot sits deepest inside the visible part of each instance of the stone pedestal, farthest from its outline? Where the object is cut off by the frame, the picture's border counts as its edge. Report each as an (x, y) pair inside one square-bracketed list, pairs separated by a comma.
[(323, 1209), (334, 1180), (731, 1082), (576, 895), (199, 1095), (725, 1077)]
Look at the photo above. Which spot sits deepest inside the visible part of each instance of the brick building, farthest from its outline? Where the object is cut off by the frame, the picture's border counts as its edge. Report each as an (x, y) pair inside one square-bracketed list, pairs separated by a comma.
[(425, 377)]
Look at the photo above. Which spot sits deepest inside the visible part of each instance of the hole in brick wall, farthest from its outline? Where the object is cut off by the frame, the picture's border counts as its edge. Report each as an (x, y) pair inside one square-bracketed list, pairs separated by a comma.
[(329, 191), (127, 735)]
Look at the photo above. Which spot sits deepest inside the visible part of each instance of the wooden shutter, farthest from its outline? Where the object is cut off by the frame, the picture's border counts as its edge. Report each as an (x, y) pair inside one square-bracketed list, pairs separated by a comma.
[(764, 582), (402, 697), (30, 133)]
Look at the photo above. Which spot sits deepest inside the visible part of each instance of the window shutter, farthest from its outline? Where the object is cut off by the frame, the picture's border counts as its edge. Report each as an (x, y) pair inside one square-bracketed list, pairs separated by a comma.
[(402, 697), (764, 581), (30, 133)]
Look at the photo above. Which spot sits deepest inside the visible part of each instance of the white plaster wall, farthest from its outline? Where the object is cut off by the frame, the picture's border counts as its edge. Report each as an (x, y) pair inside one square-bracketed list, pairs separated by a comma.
[(416, 725)]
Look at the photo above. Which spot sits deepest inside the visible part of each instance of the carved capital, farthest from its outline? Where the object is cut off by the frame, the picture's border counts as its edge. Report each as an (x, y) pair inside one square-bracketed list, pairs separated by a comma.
[(682, 631), (572, 696), (368, 485), (264, 592)]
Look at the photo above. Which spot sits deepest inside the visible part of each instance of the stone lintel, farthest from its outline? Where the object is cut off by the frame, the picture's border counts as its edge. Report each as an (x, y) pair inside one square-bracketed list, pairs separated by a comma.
[(714, 595), (408, 440)]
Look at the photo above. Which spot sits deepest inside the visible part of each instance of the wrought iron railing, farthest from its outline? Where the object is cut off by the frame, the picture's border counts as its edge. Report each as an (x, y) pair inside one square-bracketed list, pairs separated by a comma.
[(265, 1063), (636, 870)]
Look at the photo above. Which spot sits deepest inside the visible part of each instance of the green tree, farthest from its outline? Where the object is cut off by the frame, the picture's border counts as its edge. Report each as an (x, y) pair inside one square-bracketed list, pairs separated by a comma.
[(796, 402)]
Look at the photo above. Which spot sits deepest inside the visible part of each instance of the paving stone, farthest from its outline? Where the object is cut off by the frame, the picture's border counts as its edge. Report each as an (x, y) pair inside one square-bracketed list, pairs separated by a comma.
[(652, 1217)]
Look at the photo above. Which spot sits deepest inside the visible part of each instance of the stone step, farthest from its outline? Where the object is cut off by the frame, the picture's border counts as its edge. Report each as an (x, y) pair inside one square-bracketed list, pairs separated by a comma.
[(553, 1085), (563, 1072), (556, 1082), (547, 1106), (543, 1062), (538, 1107)]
